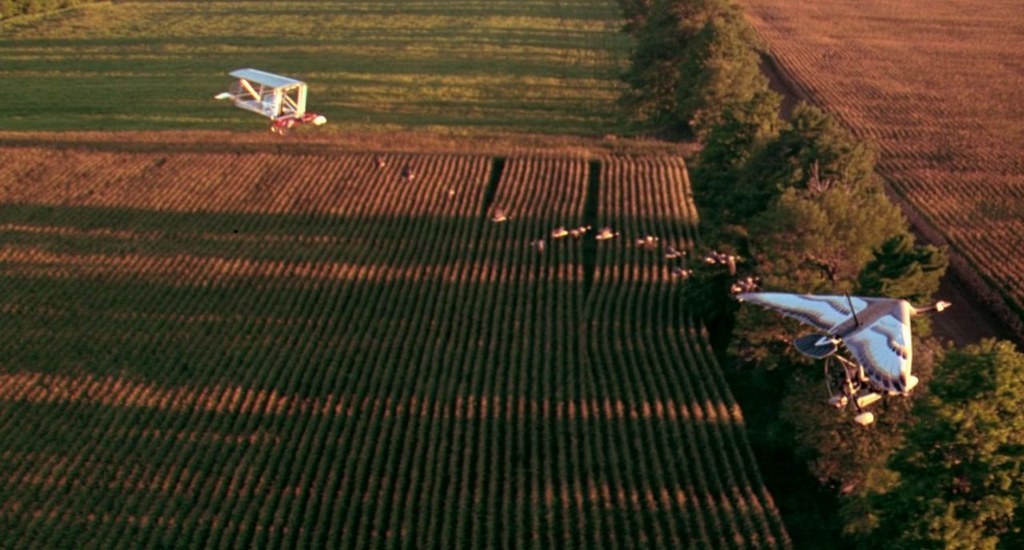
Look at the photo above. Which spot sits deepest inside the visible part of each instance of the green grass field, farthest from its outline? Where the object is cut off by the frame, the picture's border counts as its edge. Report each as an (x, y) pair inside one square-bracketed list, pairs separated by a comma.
[(461, 67)]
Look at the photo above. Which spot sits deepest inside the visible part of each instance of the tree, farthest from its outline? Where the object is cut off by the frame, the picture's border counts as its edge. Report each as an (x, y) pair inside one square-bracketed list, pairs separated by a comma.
[(653, 74), (849, 459), (744, 130), (902, 270), (720, 68), (822, 234), (819, 242), (962, 470), (816, 213), (812, 151), (814, 242), (635, 13)]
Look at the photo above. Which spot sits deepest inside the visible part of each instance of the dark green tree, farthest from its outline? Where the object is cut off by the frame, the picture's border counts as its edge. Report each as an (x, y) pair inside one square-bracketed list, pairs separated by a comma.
[(720, 68), (744, 130), (809, 241), (653, 74), (819, 242), (961, 473), (815, 212), (635, 13), (819, 233), (901, 269), (844, 457), (812, 151)]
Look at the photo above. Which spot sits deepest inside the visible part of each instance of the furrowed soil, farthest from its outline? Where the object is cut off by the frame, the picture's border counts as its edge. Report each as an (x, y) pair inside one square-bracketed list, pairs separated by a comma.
[(236, 340), (937, 88)]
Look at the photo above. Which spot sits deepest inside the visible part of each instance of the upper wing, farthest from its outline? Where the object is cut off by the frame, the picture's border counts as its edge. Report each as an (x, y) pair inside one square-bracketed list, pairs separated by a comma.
[(884, 349), (822, 312)]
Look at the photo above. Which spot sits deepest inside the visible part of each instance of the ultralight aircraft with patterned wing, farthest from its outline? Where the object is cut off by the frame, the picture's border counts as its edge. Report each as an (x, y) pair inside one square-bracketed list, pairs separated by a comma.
[(875, 331)]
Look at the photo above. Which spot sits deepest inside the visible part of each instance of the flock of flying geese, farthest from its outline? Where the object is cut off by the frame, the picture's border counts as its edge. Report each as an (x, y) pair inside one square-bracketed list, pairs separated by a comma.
[(876, 331), (560, 232), (649, 243)]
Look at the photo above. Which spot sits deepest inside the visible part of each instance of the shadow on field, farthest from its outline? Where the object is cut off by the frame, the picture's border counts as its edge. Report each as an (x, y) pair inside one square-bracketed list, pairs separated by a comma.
[(175, 294), (418, 241), (207, 369)]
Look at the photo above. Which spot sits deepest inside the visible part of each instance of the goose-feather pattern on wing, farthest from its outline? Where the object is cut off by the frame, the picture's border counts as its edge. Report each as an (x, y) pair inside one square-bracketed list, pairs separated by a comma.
[(878, 336)]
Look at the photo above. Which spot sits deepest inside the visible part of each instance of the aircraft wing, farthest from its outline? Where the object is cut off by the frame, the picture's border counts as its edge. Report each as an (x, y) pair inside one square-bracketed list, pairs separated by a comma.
[(883, 348), (820, 311)]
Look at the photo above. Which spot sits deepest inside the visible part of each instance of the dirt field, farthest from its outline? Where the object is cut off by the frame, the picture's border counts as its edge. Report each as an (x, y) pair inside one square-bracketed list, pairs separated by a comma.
[(939, 87), (314, 142), (233, 340)]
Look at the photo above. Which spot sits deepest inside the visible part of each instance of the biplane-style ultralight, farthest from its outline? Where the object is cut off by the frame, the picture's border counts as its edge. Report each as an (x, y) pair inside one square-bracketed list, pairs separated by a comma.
[(279, 98)]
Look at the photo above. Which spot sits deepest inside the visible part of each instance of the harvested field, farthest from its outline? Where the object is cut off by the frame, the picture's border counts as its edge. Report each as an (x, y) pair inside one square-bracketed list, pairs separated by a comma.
[(303, 348), (939, 87)]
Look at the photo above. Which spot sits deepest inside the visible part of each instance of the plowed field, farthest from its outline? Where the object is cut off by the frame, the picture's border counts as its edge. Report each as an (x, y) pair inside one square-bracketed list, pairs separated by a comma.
[(939, 87), (295, 349)]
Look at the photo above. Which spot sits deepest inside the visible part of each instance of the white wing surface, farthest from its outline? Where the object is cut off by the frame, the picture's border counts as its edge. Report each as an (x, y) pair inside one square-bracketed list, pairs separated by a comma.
[(822, 312), (883, 348)]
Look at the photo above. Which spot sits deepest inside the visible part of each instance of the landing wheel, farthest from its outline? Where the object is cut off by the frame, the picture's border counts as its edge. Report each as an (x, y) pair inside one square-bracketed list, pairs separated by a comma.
[(864, 418)]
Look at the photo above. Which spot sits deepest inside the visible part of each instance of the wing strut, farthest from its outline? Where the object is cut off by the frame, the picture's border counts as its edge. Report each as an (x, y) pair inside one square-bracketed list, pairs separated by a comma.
[(853, 310), (248, 87)]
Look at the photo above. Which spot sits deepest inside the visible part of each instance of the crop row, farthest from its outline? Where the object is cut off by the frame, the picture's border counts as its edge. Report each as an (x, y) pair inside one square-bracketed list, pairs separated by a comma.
[(260, 350), (928, 86), (650, 349)]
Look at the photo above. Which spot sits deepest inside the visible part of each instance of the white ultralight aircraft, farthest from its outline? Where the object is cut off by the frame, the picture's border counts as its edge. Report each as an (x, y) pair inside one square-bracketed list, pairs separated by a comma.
[(279, 98), (876, 332)]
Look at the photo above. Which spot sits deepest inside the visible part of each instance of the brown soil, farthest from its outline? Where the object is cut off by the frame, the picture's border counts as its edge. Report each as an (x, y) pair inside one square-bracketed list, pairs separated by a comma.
[(936, 89), (972, 318), (314, 142)]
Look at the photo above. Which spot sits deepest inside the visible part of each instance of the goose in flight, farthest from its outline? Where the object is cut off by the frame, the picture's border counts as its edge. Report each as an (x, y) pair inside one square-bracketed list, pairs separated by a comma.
[(579, 231), (408, 174), (747, 284), (721, 258), (649, 242), (876, 331), (681, 273)]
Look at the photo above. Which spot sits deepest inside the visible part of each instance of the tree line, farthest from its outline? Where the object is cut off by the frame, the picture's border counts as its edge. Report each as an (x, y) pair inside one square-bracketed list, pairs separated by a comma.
[(799, 202)]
